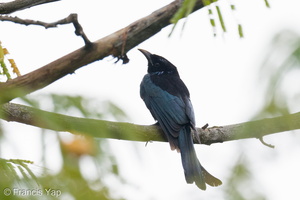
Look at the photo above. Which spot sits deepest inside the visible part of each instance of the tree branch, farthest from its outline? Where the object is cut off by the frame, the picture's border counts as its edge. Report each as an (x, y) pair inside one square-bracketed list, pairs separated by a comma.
[(72, 18), (13, 6), (126, 131), (116, 44)]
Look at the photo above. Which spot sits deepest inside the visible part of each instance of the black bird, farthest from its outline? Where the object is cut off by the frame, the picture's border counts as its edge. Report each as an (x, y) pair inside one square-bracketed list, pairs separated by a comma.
[(168, 100)]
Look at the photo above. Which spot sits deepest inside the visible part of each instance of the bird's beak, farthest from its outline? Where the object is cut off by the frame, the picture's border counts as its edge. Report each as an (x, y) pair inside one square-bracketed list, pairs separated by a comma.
[(147, 54)]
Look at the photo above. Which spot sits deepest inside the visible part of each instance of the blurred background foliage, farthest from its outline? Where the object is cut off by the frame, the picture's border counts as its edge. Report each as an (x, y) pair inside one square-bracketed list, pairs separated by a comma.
[(278, 77), (80, 155), (280, 73), (240, 185)]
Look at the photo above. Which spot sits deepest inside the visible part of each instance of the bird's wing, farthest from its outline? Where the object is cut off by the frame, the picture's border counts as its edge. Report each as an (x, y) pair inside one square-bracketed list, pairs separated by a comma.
[(169, 110)]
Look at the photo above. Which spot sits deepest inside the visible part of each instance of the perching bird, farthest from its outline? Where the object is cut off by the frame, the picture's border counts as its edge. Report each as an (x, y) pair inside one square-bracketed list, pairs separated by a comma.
[(168, 100)]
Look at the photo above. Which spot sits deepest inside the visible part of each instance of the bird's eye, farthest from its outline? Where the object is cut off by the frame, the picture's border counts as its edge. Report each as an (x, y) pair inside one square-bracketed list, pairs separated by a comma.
[(156, 65)]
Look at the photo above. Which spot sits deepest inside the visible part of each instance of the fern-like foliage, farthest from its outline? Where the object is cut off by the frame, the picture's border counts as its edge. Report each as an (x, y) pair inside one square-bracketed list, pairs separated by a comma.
[(4, 71), (214, 11), (16, 172)]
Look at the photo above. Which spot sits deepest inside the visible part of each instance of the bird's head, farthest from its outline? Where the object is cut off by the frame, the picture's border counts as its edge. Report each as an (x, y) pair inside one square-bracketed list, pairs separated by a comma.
[(158, 64)]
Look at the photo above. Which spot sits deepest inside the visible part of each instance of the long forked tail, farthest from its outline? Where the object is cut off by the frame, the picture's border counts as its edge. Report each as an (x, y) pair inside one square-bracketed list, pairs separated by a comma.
[(193, 170)]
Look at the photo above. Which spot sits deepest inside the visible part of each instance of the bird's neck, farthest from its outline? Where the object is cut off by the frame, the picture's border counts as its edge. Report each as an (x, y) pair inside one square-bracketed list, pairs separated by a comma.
[(164, 73)]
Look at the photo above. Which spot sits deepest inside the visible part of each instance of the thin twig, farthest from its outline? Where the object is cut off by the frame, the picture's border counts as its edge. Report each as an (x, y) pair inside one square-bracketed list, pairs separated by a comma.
[(72, 18), (205, 126), (261, 139), (78, 28)]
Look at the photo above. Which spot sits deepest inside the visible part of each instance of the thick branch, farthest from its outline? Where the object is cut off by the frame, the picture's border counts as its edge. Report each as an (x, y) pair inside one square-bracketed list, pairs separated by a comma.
[(116, 44), (13, 6), (133, 132)]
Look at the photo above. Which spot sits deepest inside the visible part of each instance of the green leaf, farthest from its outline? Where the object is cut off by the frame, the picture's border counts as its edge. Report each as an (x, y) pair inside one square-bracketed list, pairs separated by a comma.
[(221, 18), (267, 4), (232, 6), (240, 29), (184, 11)]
